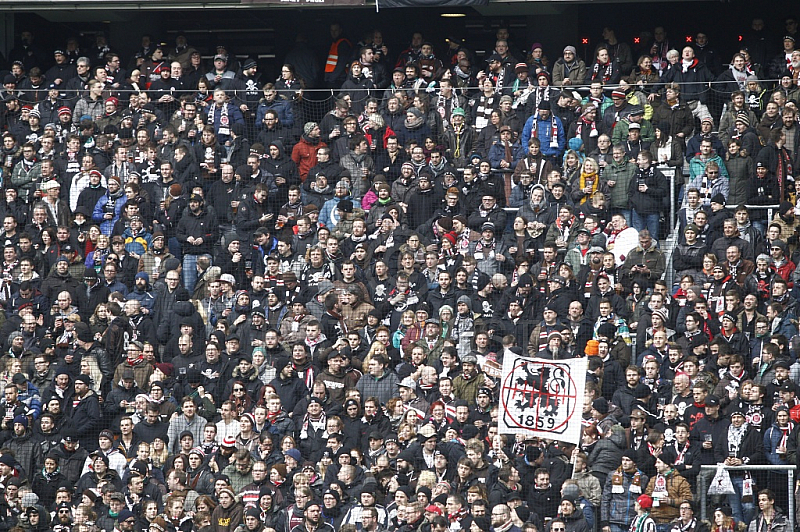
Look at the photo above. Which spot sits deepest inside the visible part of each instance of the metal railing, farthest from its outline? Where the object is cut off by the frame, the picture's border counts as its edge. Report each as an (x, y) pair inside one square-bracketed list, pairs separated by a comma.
[(702, 489), (674, 235)]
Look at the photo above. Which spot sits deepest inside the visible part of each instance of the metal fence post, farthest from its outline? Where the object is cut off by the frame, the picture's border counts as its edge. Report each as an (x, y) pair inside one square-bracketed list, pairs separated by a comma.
[(672, 198), (791, 498), (702, 492)]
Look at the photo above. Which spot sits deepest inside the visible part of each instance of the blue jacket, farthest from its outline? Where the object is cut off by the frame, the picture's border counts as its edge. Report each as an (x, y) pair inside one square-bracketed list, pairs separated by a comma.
[(328, 215), (617, 508), (146, 298), (234, 117), (106, 226), (785, 326), (32, 398), (137, 243), (498, 152), (280, 106), (543, 127), (772, 438)]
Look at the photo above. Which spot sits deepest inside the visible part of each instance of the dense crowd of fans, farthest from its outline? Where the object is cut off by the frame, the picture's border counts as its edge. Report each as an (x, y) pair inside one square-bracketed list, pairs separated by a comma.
[(223, 313)]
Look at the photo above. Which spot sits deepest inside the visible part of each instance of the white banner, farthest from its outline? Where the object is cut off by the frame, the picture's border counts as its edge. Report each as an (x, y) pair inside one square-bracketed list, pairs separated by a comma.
[(542, 398)]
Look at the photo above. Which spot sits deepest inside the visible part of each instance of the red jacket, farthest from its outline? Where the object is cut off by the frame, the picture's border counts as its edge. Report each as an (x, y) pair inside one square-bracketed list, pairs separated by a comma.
[(304, 155), (785, 271)]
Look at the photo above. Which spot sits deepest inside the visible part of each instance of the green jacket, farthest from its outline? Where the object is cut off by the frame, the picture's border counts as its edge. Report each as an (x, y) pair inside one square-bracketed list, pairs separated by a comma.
[(25, 180), (622, 173), (433, 354), (620, 135), (652, 257), (468, 389)]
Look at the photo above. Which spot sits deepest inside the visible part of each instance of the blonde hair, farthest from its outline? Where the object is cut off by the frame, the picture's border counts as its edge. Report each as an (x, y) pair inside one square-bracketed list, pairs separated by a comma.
[(376, 345), (427, 479), (590, 162), (377, 119)]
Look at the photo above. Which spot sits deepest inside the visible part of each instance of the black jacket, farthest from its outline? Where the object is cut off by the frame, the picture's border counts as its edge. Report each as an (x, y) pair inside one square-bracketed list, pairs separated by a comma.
[(652, 200), (87, 419), (284, 167), (202, 224), (692, 81), (290, 391), (750, 451)]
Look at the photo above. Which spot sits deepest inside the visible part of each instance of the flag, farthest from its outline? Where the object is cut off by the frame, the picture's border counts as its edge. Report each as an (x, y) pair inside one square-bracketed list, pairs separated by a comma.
[(542, 398)]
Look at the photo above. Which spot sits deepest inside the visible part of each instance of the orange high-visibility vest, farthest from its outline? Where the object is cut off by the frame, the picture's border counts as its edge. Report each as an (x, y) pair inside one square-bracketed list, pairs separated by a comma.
[(333, 55)]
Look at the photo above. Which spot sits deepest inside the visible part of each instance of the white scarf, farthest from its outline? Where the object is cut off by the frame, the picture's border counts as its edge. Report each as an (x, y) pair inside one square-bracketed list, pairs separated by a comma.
[(735, 436), (224, 122)]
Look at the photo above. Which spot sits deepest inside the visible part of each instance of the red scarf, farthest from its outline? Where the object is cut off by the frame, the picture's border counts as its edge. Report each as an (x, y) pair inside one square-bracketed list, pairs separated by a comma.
[(458, 516), (785, 434), (138, 360), (581, 123)]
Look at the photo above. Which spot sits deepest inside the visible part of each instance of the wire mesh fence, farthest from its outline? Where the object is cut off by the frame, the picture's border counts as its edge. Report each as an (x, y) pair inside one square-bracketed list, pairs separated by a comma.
[(309, 105)]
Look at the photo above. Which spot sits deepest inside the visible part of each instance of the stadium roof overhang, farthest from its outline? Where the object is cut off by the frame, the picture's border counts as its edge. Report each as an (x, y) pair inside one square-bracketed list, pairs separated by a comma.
[(490, 8)]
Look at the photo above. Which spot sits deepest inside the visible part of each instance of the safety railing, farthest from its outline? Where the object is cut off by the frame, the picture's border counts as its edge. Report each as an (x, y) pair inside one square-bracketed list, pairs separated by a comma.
[(674, 236), (702, 489)]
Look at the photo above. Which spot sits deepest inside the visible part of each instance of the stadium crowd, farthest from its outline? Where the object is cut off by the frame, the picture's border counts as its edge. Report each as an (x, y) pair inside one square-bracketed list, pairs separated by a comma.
[(221, 312)]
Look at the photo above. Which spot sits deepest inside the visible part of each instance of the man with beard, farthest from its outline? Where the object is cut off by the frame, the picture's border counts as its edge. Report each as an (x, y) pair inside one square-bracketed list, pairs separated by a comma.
[(549, 130), (501, 519), (85, 412), (248, 88), (312, 519), (324, 165), (142, 293), (289, 387), (271, 128), (469, 381), (536, 211)]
